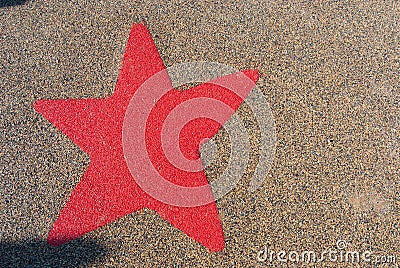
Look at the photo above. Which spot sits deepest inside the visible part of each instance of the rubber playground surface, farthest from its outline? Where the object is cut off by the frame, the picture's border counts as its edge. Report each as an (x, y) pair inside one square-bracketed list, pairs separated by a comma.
[(199, 134)]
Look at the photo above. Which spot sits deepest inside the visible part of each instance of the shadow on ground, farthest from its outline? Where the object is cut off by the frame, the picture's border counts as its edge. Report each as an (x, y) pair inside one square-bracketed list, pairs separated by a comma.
[(40, 254), (9, 3)]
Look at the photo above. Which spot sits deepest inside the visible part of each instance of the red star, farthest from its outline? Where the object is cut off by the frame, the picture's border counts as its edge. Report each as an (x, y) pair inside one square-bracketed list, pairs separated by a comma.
[(108, 191)]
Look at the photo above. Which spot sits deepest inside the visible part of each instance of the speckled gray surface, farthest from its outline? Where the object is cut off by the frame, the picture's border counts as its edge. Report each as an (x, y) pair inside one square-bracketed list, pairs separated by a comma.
[(330, 71)]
